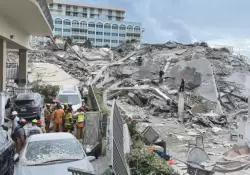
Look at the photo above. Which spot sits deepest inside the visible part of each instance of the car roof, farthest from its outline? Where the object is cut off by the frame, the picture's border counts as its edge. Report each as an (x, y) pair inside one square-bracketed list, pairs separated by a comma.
[(50, 136), (26, 96), (68, 89)]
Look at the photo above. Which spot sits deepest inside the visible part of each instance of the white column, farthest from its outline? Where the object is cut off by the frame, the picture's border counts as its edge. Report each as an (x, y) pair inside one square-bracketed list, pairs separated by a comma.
[(3, 55), (23, 66)]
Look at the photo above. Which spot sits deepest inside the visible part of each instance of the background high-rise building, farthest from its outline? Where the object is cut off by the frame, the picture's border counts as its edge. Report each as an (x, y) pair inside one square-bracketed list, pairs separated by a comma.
[(101, 25)]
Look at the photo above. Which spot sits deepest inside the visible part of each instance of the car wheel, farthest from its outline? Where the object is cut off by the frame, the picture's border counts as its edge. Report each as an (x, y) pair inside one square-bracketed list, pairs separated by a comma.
[(11, 165)]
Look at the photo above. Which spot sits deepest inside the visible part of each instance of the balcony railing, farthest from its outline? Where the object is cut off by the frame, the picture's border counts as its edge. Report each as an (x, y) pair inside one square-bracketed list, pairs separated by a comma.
[(44, 6)]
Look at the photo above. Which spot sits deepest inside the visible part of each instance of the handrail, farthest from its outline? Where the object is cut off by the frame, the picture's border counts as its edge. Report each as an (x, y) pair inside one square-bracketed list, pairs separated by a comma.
[(44, 6)]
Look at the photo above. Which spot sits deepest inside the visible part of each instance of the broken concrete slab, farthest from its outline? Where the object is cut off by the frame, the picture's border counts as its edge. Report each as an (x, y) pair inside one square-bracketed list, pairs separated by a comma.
[(135, 99)]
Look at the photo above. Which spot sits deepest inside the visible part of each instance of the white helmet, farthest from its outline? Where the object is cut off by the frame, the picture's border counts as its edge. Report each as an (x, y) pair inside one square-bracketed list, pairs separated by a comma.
[(14, 113)]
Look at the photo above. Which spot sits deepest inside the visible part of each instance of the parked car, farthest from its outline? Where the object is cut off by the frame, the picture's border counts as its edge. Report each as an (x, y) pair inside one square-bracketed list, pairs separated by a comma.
[(29, 105), (7, 152), (51, 154), (70, 94)]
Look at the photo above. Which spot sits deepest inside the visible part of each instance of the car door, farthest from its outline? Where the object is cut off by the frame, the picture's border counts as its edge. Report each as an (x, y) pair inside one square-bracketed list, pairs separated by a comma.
[(6, 152)]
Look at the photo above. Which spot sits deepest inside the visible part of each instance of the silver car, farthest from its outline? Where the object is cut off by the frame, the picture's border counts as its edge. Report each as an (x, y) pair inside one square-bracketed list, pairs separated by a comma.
[(52, 154)]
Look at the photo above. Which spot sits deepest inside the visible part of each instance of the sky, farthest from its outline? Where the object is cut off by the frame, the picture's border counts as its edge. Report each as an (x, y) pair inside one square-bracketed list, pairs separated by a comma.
[(223, 22)]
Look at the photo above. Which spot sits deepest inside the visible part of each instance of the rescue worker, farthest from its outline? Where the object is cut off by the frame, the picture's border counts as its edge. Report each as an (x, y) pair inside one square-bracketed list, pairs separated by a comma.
[(161, 73), (139, 61), (70, 108), (79, 115), (15, 120), (34, 129), (48, 114), (40, 125), (20, 136), (68, 121), (65, 107), (181, 89), (58, 119), (83, 107)]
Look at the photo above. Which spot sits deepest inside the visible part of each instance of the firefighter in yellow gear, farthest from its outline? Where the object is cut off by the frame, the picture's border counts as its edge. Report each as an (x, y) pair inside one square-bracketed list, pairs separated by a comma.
[(68, 121), (79, 115), (48, 115)]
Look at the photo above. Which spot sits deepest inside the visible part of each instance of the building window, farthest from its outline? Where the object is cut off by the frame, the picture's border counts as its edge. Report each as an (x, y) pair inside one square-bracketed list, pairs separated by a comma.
[(110, 12), (99, 33), (68, 14), (114, 41), (122, 28), (58, 21), (58, 29), (83, 24), (106, 34), (75, 8), (75, 14), (67, 7), (66, 22), (91, 32), (92, 15), (114, 34), (66, 30), (118, 13), (115, 27), (98, 40), (107, 26), (51, 6), (106, 40), (118, 19), (109, 17), (92, 39), (91, 25), (99, 11), (137, 29), (84, 15), (120, 41), (99, 26), (84, 9), (59, 6), (122, 35), (92, 10)]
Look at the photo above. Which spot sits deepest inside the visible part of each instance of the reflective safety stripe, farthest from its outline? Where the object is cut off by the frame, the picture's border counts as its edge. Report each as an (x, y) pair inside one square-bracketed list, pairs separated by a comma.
[(80, 118)]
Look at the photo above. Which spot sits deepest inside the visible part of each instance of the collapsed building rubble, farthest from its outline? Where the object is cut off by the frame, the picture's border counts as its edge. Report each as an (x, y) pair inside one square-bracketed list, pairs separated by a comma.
[(215, 86)]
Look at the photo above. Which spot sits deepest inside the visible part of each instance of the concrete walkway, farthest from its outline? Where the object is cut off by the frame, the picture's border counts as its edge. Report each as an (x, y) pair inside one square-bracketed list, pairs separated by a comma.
[(50, 74)]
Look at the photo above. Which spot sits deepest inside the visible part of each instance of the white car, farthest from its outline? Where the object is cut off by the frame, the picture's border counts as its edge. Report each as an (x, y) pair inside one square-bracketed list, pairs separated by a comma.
[(70, 94), (52, 154)]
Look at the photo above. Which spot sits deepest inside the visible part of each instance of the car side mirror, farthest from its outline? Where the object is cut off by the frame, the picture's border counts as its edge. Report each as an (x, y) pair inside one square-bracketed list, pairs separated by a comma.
[(16, 157), (91, 158)]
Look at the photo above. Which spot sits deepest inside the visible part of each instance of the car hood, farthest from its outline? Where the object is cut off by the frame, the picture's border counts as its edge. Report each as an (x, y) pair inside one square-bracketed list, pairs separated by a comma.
[(54, 169)]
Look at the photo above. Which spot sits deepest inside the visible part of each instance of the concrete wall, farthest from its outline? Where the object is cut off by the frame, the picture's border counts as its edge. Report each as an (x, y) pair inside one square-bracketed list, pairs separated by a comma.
[(19, 20)]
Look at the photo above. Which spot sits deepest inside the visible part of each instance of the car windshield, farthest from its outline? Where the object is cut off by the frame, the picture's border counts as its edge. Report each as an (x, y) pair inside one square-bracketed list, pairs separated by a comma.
[(40, 152), (72, 99), (24, 102)]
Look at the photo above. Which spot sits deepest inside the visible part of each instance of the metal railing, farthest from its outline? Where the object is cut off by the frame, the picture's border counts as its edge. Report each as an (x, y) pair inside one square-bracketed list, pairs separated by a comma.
[(12, 70), (44, 6), (115, 150)]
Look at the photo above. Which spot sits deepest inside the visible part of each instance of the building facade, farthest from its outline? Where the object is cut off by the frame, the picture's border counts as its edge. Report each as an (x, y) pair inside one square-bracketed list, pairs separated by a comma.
[(101, 25)]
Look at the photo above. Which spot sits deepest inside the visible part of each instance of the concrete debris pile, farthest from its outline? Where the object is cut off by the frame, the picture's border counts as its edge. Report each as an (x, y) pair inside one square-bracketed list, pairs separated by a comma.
[(216, 82), (214, 78)]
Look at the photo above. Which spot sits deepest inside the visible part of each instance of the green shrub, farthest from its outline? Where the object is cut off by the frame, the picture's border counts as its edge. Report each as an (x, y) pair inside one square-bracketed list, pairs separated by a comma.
[(48, 91), (99, 97), (141, 161)]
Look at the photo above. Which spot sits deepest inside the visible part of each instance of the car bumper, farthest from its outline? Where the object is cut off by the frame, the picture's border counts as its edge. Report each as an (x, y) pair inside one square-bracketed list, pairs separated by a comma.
[(27, 115)]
